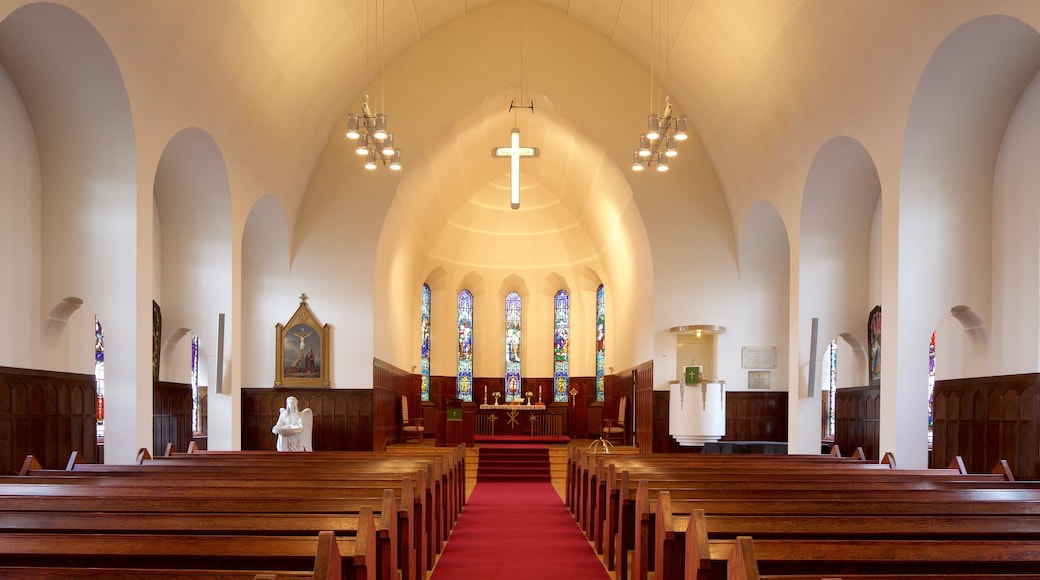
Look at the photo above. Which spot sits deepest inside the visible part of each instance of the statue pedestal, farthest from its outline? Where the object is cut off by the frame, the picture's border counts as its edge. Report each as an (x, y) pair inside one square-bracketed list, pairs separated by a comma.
[(697, 413)]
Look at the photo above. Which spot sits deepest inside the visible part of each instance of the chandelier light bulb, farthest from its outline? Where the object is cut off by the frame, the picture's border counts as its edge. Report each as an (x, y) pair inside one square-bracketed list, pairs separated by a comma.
[(352, 126), (680, 128), (362, 145), (644, 146), (388, 145), (370, 161), (670, 149), (395, 161), (637, 161), (653, 125), (662, 162), (380, 132)]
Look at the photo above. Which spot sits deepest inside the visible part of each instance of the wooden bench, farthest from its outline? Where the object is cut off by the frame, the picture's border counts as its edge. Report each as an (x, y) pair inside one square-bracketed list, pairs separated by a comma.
[(398, 528), (614, 500), (686, 553), (82, 512), (443, 500), (403, 542), (324, 555), (747, 558), (633, 522), (616, 509)]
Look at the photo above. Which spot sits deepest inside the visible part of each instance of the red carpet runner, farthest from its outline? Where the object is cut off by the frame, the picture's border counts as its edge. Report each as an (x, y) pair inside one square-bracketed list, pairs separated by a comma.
[(517, 531)]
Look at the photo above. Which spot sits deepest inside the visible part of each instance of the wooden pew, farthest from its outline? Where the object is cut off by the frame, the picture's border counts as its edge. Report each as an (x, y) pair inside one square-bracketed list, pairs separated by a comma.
[(443, 505), (704, 483), (177, 490), (324, 555), (690, 557), (745, 558), (591, 497), (71, 515), (636, 528)]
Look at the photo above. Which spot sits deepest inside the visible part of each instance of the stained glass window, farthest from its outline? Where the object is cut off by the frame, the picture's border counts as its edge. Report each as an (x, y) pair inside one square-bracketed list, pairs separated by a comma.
[(514, 390), (465, 377), (99, 375), (424, 348), (831, 355), (561, 345), (601, 332), (195, 416), (931, 386)]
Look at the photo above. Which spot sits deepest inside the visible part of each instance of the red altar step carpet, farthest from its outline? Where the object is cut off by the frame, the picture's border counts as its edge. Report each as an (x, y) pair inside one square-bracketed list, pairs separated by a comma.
[(513, 463), (517, 531)]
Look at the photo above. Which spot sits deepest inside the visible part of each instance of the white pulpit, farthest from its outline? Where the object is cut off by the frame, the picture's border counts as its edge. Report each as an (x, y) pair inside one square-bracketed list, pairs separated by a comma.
[(697, 412)]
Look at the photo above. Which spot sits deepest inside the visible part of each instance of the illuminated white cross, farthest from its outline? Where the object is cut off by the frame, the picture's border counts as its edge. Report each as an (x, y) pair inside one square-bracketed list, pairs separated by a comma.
[(514, 152)]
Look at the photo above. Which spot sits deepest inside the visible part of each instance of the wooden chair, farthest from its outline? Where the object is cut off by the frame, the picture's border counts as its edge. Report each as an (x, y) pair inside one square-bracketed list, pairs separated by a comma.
[(614, 430), (411, 428)]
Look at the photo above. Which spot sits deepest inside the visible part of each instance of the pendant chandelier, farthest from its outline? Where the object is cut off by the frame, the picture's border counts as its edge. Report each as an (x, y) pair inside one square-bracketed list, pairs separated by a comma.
[(659, 143), (369, 131)]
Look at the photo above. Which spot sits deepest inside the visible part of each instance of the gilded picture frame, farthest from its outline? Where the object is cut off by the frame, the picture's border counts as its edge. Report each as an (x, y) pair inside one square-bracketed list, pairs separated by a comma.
[(302, 350)]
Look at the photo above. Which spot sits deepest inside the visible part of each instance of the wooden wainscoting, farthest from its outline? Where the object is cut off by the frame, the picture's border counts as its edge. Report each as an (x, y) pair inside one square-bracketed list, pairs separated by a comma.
[(171, 416), (48, 414), (986, 419), (756, 416), (857, 420), (343, 418)]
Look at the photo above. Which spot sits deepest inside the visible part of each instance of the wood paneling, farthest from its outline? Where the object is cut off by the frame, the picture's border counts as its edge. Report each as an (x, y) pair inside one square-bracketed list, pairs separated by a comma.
[(171, 416), (47, 414), (389, 383), (986, 419), (857, 420), (343, 418), (756, 416)]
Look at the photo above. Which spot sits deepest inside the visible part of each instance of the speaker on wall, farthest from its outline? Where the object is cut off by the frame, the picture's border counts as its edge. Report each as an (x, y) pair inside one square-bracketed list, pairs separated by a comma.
[(220, 354), (813, 336)]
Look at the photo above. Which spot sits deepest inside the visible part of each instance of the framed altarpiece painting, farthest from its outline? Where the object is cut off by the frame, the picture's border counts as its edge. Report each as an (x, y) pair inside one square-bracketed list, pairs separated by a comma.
[(302, 350)]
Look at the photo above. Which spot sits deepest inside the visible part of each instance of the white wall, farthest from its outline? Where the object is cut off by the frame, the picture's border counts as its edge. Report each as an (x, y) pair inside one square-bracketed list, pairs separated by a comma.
[(20, 223)]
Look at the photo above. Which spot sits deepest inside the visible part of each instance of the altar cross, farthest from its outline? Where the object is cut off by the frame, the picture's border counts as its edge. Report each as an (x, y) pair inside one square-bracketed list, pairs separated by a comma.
[(514, 152)]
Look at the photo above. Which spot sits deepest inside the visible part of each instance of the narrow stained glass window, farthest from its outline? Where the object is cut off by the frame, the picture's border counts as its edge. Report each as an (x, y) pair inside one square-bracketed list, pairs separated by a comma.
[(514, 390), (195, 418), (465, 376), (99, 375), (424, 348), (601, 332), (561, 345)]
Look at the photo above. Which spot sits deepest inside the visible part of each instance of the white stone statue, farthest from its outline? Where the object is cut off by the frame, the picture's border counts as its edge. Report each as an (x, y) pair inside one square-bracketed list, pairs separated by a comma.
[(293, 427)]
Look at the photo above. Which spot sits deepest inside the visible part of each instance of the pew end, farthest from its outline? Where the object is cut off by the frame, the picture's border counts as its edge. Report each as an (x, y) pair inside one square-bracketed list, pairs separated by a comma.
[(29, 464), (889, 459), (697, 559), (742, 564), (328, 563), (1002, 467)]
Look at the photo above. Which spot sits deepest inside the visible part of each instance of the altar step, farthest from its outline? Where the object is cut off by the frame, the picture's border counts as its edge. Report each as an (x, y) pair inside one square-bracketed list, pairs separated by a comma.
[(513, 463)]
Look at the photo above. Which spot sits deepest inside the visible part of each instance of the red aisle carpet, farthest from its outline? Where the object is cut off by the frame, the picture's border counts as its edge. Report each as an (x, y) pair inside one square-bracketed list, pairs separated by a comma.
[(517, 531)]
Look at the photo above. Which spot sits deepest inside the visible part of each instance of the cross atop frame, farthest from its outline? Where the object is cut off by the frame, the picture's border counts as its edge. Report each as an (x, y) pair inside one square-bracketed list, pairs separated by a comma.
[(514, 152)]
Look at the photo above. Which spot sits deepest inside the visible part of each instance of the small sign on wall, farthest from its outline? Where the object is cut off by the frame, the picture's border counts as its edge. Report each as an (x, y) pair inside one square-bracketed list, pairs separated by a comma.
[(758, 357), (758, 379)]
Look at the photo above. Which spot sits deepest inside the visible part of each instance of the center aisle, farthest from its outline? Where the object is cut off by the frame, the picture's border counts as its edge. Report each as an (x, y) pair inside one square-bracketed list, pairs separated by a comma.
[(517, 530)]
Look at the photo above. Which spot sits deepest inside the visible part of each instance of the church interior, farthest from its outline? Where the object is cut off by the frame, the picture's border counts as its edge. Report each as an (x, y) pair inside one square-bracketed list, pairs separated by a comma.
[(584, 216)]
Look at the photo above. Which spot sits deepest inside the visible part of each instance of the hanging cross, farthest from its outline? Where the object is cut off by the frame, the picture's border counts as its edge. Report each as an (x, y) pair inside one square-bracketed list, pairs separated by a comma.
[(514, 152)]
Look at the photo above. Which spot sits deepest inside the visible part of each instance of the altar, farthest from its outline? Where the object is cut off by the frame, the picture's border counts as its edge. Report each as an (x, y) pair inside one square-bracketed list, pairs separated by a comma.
[(505, 420)]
